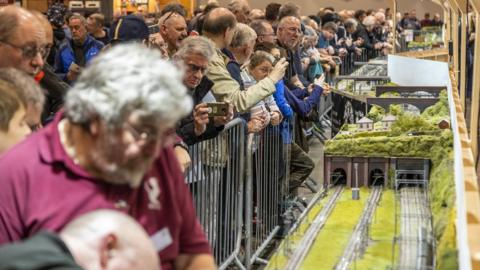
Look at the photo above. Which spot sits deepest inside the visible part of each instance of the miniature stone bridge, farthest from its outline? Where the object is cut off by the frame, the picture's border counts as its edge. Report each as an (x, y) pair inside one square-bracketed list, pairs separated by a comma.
[(420, 103), (408, 90)]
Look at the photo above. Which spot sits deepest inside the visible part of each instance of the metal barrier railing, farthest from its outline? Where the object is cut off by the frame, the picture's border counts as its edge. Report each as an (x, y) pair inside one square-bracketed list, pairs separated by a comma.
[(268, 166), (216, 182), (347, 66), (240, 187)]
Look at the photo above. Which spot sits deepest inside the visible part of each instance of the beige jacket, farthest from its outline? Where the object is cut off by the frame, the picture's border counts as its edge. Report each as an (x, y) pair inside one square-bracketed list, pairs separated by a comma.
[(226, 89)]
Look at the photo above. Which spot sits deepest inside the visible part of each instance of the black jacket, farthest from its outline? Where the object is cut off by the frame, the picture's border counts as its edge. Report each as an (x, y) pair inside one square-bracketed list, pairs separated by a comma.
[(186, 127), (368, 37), (42, 251), (55, 90)]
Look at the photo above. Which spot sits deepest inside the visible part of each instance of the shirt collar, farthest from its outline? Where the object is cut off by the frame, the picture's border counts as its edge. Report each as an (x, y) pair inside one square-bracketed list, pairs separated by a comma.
[(52, 151)]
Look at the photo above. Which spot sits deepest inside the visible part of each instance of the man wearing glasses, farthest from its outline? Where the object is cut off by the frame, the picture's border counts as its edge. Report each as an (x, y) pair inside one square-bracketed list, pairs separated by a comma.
[(288, 36), (264, 30), (110, 148), (195, 54), (22, 40)]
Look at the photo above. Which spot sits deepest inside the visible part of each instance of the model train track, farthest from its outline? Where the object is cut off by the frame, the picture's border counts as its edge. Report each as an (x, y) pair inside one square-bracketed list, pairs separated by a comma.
[(415, 234), (359, 238), (310, 235)]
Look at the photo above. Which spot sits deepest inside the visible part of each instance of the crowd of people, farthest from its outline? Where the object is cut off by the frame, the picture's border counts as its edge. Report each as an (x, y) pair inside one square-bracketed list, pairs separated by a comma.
[(96, 114)]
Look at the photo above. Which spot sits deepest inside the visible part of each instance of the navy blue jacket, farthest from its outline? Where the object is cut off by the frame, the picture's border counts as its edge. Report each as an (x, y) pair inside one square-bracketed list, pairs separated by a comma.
[(65, 55), (234, 68), (304, 106), (297, 61)]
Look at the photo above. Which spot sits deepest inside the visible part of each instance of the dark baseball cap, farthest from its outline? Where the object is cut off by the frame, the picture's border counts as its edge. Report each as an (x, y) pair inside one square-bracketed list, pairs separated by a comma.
[(129, 28)]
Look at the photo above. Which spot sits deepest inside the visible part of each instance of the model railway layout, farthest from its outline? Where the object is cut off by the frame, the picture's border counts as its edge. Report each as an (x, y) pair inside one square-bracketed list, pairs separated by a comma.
[(386, 137)]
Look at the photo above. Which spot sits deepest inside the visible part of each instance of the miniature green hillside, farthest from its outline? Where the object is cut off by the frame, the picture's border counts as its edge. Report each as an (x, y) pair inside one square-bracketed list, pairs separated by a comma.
[(413, 136)]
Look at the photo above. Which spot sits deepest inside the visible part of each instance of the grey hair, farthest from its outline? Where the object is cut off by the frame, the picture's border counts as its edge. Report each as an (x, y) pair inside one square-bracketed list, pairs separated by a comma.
[(196, 45), (235, 5), (28, 89), (78, 17), (125, 79), (259, 26), (242, 35), (350, 23)]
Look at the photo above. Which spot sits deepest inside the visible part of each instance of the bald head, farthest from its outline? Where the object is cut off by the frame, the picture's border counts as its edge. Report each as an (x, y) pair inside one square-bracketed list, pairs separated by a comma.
[(107, 237), (47, 27), (380, 17), (22, 40), (288, 20), (12, 18), (218, 21)]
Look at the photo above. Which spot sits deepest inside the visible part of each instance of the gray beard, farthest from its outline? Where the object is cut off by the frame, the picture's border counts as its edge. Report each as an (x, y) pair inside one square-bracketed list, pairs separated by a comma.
[(129, 174)]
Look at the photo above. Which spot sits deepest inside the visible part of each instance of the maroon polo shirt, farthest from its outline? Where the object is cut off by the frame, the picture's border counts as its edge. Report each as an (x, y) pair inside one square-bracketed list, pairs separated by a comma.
[(42, 189)]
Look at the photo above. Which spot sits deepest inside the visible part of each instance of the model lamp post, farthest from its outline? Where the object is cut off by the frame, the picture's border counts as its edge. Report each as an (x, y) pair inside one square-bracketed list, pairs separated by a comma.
[(356, 190)]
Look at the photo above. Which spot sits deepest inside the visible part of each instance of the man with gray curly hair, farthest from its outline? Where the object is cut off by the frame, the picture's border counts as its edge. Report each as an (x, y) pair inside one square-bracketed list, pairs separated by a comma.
[(109, 149)]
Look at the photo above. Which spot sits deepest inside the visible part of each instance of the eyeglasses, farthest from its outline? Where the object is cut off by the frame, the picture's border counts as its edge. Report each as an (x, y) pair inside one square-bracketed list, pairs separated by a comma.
[(30, 51), (194, 68), (146, 135), (294, 30)]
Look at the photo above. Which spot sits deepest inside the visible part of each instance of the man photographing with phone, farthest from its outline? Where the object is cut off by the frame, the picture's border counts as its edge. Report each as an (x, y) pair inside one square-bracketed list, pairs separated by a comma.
[(207, 119), (202, 124)]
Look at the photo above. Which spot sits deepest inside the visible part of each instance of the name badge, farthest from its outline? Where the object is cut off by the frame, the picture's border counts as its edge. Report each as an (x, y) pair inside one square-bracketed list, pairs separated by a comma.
[(162, 239)]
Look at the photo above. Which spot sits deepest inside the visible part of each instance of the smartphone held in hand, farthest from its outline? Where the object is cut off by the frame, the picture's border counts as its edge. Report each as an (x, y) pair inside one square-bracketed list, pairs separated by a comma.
[(217, 109)]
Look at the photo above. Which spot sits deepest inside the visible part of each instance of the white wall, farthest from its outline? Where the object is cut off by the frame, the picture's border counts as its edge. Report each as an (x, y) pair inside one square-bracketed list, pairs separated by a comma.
[(309, 7)]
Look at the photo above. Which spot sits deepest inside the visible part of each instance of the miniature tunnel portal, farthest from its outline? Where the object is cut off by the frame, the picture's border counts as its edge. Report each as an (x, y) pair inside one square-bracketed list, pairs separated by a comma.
[(374, 171)]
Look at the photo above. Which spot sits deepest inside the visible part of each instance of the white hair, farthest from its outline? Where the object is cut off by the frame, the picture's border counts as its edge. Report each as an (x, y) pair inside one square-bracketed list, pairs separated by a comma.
[(369, 21), (125, 79), (380, 16)]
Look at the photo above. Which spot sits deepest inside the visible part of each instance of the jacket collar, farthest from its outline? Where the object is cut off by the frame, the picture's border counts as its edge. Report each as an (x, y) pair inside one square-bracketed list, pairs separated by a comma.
[(202, 89)]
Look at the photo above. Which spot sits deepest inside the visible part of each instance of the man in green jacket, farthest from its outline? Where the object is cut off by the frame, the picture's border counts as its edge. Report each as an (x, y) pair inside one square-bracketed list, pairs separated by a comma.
[(219, 26)]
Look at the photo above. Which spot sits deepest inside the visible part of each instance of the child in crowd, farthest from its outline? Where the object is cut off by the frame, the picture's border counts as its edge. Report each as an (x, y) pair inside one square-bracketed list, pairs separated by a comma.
[(260, 65), (13, 127)]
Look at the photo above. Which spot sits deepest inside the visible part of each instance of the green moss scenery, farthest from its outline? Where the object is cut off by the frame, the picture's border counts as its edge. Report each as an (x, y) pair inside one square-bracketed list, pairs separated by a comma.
[(381, 251), (333, 238), (413, 136), (376, 113), (280, 258)]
